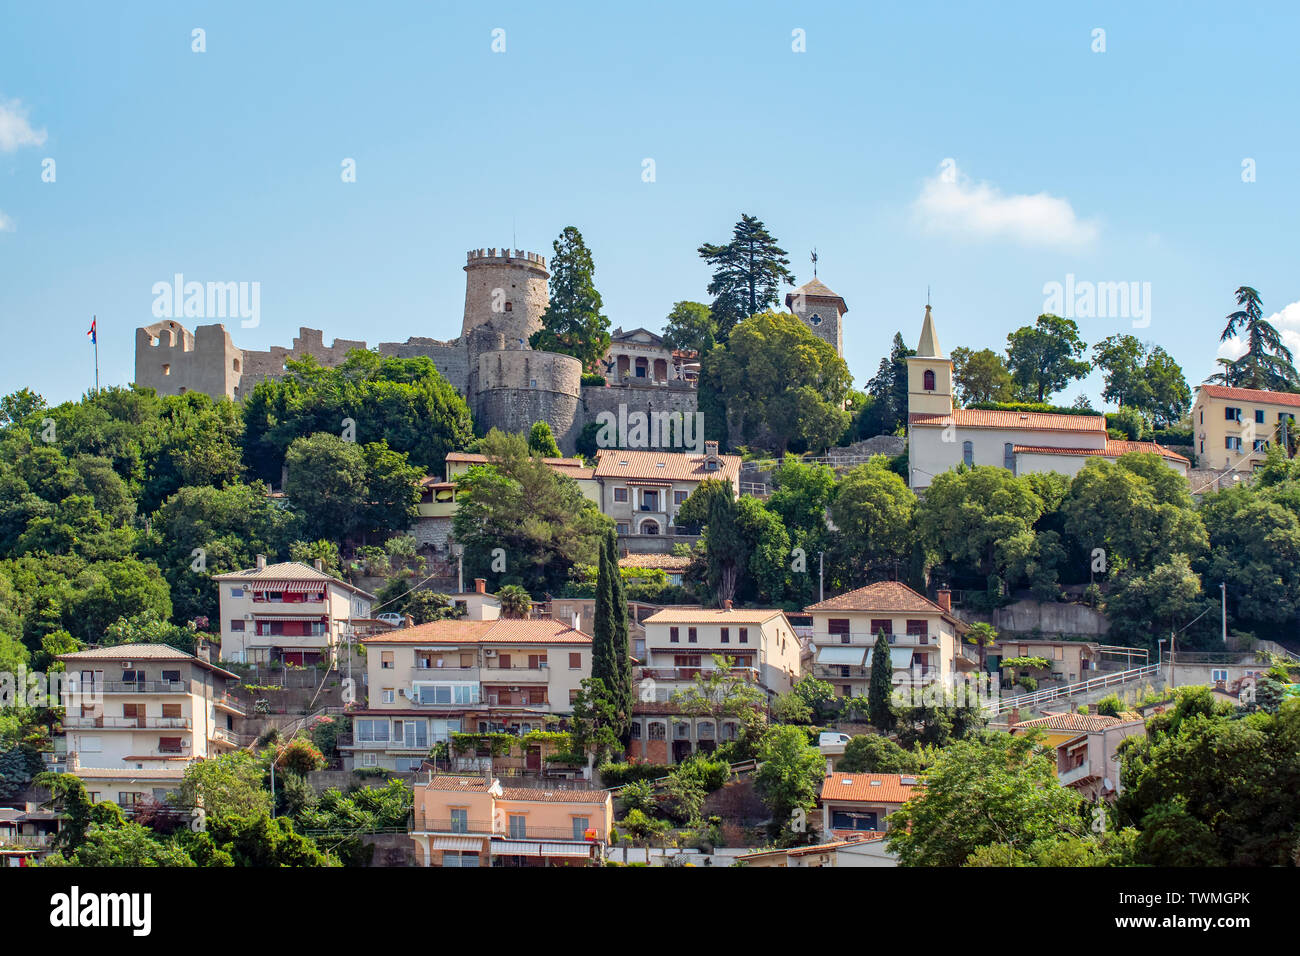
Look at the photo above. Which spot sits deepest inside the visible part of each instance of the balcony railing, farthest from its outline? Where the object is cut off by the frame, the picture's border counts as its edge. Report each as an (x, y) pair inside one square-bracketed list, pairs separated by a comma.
[(128, 723), (856, 638), (484, 828), (135, 687), (690, 673), (1074, 774), (27, 840), (230, 737), (515, 675)]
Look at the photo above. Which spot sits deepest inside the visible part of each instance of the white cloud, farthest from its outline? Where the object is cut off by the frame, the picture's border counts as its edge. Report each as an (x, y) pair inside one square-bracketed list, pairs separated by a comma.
[(951, 204), (15, 131), (1287, 322), (6, 224)]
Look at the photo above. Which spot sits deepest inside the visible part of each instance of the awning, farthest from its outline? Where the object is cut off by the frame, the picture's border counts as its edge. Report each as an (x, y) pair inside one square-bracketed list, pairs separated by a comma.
[(291, 587), (515, 848), (649, 483), (456, 843), (843, 654), (312, 618), (900, 657), (566, 849)]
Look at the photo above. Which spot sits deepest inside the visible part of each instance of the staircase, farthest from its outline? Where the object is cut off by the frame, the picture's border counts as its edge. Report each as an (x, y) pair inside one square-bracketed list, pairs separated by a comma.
[(1114, 679)]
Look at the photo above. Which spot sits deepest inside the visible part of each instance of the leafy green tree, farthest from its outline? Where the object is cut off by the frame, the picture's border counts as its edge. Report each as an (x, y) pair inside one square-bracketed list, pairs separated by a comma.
[(1255, 550), (515, 601), (874, 753), (326, 483), (392, 491), (127, 844), (980, 376), (873, 510), (880, 689), (1045, 357), (597, 725), (690, 327), (541, 521), (995, 792), (573, 323), (227, 786), (789, 779), (983, 635), (19, 407), (747, 274), (887, 412), (542, 442), (1144, 606), (1142, 378), (1267, 363), (725, 548), (780, 383)]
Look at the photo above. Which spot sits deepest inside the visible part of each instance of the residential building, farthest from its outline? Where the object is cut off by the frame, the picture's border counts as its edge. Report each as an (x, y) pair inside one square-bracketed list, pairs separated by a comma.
[(857, 802), (673, 565), (289, 613), (1234, 427), (940, 436), (860, 848), (680, 644), (473, 821), (1085, 746), (428, 682), (139, 714), (640, 357), (923, 636), (643, 490), (27, 833), (1066, 660)]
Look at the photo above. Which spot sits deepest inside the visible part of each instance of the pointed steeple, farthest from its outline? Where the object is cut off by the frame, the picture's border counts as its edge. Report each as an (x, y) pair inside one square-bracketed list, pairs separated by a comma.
[(928, 347)]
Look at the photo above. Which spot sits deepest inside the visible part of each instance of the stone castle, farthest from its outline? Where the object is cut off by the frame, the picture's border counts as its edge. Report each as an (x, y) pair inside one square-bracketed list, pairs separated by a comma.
[(506, 383)]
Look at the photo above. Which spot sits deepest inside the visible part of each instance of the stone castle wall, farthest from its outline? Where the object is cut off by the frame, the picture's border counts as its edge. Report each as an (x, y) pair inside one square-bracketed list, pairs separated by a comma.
[(520, 387), (674, 397), (172, 361)]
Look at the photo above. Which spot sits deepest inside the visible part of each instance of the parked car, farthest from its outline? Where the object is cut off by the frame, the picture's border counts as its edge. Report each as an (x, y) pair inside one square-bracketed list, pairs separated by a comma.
[(390, 617), (832, 742)]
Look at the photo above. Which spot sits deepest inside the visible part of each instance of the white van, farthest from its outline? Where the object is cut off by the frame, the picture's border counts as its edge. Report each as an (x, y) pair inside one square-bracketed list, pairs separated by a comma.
[(833, 741)]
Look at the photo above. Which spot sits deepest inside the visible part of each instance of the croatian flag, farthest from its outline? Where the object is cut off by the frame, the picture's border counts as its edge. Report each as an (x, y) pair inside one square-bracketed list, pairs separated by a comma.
[(91, 333)]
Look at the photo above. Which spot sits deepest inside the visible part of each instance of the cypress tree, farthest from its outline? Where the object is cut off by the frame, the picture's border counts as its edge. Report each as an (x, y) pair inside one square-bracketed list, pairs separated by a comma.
[(881, 687), (621, 681), (604, 664)]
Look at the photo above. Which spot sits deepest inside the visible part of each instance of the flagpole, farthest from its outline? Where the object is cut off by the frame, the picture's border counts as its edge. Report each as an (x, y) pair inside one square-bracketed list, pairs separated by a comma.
[(95, 338)]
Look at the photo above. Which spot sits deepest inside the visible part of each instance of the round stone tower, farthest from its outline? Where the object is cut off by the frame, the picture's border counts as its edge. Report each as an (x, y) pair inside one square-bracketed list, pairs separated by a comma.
[(505, 295)]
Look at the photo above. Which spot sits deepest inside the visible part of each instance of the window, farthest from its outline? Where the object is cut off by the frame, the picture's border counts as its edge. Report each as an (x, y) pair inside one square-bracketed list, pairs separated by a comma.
[(919, 629), (237, 626), (679, 497), (171, 711), (386, 660), (674, 636), (371, 731), (815, 319), (968, 453), (692, 637), (518, 827), (744, 635), (510, 306), (237, 592), (881, 624), (840, 626), (388, 695), (1232, 443), (169, 745), (126, 799), (580, 825), (460, 821), (1219, 676), (1261, 444), (657, 730), (575, 661), (636, 730), (1259, 416), (503, 661), (1232, 414), (171, 677), (1009, 456), (369, 760), (929, 380), (620, 494), (622, 527), (726, 635)]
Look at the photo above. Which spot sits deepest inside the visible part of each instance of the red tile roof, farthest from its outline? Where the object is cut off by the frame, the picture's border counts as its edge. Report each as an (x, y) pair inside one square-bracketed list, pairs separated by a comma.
[(1073, 722), (503, 631), (539, 795), (881, 596), (1250, 395), (1113, 449), (867, 787), (664, 466), (1032, 421), (573, 467), (666, 562)]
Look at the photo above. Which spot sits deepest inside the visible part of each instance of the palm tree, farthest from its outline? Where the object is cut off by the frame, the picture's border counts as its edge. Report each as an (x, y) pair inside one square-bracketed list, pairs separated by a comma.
[(1267, 361), (982, 635), (515, 601)]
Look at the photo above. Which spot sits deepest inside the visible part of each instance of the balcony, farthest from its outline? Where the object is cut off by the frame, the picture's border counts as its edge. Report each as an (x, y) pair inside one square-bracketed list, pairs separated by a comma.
[(860, 639), (1074, 774), (427, 674), (27, 841), (127, 723), (750, 674), (229, 737), (515, 675), (484, 829), (136, 687)]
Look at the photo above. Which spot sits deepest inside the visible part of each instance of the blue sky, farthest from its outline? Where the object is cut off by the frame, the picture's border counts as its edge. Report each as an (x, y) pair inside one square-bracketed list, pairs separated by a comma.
[(1115, 166)]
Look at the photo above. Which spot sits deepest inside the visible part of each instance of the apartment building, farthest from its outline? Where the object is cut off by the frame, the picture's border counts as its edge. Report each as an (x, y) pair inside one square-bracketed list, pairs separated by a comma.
[(861, 802), (1066, 660), (474, 821), (289, 613), (428, 682), (1086, 746), (643, 490), (1234, 427), (139, 714), (680, 644), (924, 637)]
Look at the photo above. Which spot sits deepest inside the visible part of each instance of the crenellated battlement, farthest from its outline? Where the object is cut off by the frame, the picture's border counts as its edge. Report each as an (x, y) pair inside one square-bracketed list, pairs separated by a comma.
[(504, 256)]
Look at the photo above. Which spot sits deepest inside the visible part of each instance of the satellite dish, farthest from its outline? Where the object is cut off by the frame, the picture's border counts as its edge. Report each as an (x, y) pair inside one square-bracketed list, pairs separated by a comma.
[(1107, 784)]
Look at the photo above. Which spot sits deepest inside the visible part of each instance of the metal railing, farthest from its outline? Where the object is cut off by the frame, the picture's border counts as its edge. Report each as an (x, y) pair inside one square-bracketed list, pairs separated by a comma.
[(502, 831), (1080, 687), (27, 840), (136, 687), (128, 723)]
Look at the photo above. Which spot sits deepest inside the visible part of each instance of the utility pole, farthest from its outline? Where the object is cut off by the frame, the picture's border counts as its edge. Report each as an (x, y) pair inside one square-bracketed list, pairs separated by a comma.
[(821, 576), (1223, 599)]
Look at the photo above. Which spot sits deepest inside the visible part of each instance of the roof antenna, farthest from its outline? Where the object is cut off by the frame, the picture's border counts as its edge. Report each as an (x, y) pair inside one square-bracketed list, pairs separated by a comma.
[(927, 297)]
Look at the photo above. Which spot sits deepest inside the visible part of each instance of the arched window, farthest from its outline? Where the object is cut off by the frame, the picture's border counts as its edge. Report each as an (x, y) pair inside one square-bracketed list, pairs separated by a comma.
[(657, 730), (650, 526), (968, 453), (929, 380)]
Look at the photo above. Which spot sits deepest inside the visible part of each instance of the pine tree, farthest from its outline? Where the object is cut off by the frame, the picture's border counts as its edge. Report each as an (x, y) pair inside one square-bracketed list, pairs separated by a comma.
[(573, 323), (1267, 363), (747, 274), (881, 688)]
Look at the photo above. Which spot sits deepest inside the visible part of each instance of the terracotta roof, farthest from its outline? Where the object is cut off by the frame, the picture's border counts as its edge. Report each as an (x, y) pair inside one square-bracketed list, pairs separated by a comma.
[(667, 562), (129, 773), (143, 652), (859, 836), (503, 631), (1030, 421), (1114, 448), (539, 795), (288, 571), (465, 784), (1076, 722), (712, 615), (1258, 395), (573, 467), (664, 465), (881, 596), (867, 787)]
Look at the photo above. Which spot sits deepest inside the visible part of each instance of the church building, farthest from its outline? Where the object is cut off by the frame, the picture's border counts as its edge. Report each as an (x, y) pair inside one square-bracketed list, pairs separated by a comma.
[(940, 437)]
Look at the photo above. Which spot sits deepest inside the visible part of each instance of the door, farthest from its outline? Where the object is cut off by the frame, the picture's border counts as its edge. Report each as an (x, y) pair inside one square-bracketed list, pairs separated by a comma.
[(533, 759)]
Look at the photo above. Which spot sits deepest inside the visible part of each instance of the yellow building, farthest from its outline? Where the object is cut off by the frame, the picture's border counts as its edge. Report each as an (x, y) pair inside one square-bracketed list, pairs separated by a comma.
[(1234, 427)]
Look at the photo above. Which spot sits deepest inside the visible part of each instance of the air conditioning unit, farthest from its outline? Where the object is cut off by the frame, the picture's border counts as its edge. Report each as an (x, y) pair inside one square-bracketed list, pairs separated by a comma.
[(514, 690), (489, 653), (248, 617)]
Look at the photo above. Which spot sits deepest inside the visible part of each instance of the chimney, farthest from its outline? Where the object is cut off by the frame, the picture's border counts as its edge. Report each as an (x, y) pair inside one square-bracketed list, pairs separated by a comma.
[(480, 585), (726, 605), (710, 448), (261, 562), (319, 564), (945, 600), (73, 763), (408, 621)]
